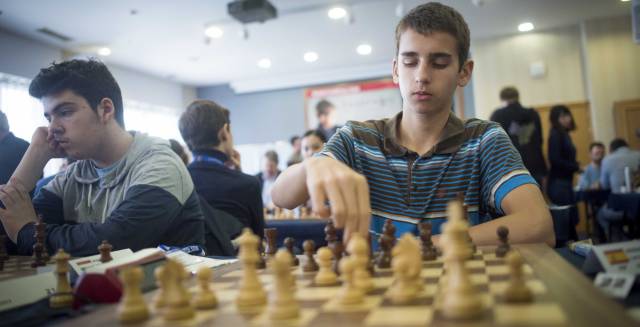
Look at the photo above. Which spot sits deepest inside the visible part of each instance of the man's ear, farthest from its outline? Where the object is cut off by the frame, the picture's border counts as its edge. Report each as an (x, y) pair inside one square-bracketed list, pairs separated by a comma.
[(394, 71), (464, 76), (106, 110), (223, 133)]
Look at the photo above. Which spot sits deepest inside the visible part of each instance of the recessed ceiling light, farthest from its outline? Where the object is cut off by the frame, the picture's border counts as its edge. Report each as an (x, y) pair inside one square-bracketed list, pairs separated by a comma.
[(364, 49), (104, 51), (310, 56), (337, 12), (264, 63), (214, 32), (625, 0), (525, 27)]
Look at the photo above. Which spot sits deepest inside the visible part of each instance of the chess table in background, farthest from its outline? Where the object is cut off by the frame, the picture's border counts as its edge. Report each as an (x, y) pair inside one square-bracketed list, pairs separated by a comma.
[(562, 297), (20, 266)]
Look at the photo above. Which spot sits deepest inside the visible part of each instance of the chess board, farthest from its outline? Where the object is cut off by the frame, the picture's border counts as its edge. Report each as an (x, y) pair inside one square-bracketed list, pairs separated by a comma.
[(20, 266), (562, 297)]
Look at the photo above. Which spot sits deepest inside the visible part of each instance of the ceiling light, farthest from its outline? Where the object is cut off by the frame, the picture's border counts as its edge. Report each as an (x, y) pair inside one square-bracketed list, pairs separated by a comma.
[(364, 49), (214, 32), (525, 27), (625, 0), (310, 56), (337, 13), (104, 51), (264, 63)]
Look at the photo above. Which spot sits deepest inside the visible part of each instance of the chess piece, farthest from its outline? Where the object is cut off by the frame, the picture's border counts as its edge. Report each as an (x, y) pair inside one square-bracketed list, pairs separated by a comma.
[(205, 298), (289, 243), (4, 256), (349, 294), (460, 298), (334, 244), (40, 255), (325, 276), (503, 247), (271, 237), (358, 250), (406, 265), (63, 297), (386, 241), (251, 293), (132, 307), (105, 251), (178, 306), (262, 262), (517, 291), (282, 304), (429, 252), (309, 248), (159, 300)]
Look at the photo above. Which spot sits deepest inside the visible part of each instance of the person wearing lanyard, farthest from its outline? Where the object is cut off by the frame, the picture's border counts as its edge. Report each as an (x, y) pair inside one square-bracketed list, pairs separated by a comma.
[(205, 128)]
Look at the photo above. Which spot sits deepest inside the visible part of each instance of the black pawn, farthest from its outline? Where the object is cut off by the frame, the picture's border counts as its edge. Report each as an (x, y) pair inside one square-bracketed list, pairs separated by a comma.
[(504, 247), (289, 242), (429, 252), (309, 247), (386, 242)]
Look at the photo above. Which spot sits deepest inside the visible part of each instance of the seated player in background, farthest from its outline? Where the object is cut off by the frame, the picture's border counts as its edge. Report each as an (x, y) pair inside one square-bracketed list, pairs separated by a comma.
[(205, 128), (410, 166), (325, 112), (126, 187), (296, 156), (312, 143), (12, 149), (590, 178), (268, 176)]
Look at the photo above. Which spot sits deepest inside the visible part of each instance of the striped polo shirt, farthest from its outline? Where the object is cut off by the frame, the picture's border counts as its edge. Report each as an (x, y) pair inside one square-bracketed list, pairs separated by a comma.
[(475, 158)]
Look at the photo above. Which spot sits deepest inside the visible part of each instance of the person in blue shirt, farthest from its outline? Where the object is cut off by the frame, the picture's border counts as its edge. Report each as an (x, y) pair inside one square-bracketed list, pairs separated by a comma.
[(12, 149), (590, 178), (205, 128), (407, 168), (612, 178)]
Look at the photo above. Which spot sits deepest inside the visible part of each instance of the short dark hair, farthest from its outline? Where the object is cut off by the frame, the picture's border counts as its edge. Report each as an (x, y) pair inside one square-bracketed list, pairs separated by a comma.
[(4, 122), (271, 156), (554, 117), (616, 144), (595, 144), (509, 93), (315, 133), (200, 123), (293, 139), (322, 108), (436, 17), (90, 79), (179, 150)]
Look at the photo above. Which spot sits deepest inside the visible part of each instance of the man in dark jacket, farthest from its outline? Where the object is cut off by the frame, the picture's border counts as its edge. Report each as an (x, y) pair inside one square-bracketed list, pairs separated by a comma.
[(12, 149), (524, 129), (206, 131)]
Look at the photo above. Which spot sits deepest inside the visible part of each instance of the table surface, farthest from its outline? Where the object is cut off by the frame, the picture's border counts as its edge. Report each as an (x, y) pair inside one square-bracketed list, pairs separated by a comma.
[(580, 301)]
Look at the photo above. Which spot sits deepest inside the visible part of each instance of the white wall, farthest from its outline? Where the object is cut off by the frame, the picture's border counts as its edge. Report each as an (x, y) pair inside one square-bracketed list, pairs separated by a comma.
[(504, 61), (613, 70), (24, 57)]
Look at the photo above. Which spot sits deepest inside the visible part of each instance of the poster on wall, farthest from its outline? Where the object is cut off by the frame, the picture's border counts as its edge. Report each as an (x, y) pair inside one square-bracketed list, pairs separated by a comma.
[(358, 101)]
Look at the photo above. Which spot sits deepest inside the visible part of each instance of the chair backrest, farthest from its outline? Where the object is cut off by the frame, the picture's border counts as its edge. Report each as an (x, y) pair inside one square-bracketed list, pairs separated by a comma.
[(220, 229)]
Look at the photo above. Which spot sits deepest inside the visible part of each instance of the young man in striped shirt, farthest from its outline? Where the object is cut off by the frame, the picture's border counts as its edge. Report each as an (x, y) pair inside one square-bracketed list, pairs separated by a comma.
[(408, 167)]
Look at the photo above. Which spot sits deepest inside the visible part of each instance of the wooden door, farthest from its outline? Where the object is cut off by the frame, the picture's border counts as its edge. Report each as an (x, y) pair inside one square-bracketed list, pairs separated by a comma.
[(581, 137), (627, 121)]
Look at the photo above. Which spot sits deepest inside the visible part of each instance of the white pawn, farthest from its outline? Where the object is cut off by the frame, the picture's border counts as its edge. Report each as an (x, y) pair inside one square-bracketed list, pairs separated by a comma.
[(205, 298), (326, 275), (349, 294), (132, 307), (517, 291), (406, 270), (178, 306), (161, 281), (283, 304), (251, 293), (359, 251)]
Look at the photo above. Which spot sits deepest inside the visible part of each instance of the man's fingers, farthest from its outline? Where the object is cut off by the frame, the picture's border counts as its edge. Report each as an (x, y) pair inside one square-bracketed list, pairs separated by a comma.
[(336, 197), (318, 198), (364, 206)]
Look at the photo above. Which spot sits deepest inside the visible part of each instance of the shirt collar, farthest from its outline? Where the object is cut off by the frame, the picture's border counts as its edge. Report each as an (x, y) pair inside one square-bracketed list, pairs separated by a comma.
[(212, 153), (450, 141)]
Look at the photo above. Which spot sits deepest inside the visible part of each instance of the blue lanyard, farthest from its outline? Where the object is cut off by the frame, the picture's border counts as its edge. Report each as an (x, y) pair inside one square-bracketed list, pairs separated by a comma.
[(205, 158)]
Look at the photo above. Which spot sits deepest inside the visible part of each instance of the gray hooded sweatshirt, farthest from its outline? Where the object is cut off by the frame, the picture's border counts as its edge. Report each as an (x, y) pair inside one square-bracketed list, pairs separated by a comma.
[(145, 199)]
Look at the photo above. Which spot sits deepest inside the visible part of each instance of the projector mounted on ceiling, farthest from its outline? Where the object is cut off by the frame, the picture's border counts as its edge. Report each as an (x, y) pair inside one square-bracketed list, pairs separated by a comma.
[(251, 11)]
